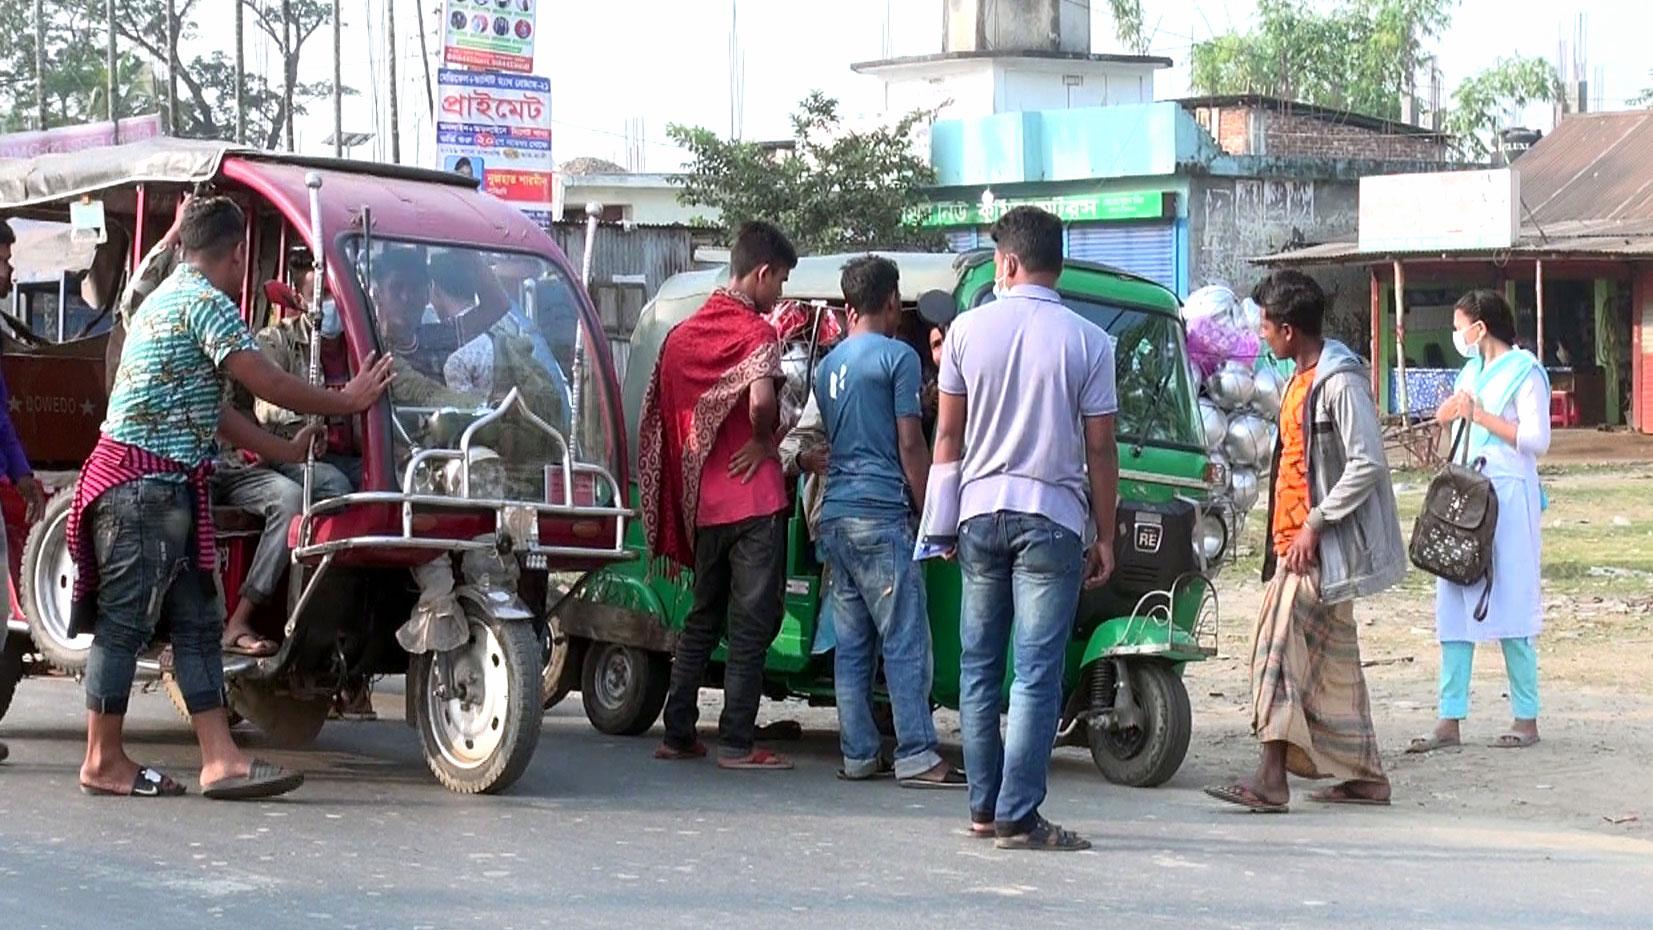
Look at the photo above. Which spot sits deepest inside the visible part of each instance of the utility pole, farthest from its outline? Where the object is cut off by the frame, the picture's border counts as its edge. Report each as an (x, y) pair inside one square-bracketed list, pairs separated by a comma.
[(395, 122), (424, 56), (114, 118), (40, 64), (240, 73), (289, 69), (171, 64), (338, 82)]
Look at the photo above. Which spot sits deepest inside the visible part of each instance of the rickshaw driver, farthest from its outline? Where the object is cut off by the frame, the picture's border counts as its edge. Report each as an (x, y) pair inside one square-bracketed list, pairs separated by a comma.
[(149, 545)]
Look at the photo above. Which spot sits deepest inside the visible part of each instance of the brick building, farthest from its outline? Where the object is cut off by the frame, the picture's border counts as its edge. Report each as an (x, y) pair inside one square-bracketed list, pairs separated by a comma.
[(1250, 124)]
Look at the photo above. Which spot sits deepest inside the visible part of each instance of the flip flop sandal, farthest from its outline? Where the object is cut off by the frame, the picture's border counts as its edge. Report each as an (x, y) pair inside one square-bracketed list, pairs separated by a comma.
[(1045, 836), (260, 648), (1337, 794), (950, 780), (1512, 741), (263, 781), (148, 783), (1246, 798), (668, 753), (757, 760), (1430, 743)]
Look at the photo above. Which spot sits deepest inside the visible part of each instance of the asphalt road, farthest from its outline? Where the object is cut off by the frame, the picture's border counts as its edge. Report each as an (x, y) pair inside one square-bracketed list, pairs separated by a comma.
[(599, 835)]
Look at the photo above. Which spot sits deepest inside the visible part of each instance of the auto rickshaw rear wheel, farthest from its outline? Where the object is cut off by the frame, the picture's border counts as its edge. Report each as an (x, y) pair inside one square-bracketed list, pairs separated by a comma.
[(477, 707), (176, 696), (287, 721), (563, 663), (623, 687), (47, 582), (1149, 753)]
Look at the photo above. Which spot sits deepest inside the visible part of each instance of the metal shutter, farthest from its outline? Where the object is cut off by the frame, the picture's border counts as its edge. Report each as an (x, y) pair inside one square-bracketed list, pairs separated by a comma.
[(1149, 250), (965, 240)]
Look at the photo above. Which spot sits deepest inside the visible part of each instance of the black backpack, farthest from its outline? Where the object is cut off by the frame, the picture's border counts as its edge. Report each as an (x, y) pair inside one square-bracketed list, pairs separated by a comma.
[(1452, 537)]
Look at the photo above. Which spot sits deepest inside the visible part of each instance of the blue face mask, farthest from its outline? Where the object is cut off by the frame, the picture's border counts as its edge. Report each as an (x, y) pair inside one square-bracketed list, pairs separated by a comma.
[(332, 326)]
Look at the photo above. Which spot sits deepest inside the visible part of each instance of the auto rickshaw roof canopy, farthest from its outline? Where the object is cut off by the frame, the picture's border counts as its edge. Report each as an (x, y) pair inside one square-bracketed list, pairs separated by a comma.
[(58, 176)]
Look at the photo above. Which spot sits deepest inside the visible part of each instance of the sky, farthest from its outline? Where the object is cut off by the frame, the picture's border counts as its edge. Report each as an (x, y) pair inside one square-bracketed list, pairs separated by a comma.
[(615, 62)]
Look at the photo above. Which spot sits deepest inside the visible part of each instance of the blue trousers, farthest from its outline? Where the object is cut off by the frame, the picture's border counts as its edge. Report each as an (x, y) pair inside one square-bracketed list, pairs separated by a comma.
[(1520, 663), (1021, 589)]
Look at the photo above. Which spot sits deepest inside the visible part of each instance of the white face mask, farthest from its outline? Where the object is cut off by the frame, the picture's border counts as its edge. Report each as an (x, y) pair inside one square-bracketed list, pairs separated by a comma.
[(1465, 348)]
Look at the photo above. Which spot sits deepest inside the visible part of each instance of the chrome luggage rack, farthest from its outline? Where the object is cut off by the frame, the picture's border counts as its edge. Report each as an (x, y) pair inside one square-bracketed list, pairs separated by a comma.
[(1155, 611), (515, 520)]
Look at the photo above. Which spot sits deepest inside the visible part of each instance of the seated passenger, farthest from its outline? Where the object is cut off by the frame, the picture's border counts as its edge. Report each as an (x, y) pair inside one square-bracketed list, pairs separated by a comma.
[(287, 344), (514, 354)]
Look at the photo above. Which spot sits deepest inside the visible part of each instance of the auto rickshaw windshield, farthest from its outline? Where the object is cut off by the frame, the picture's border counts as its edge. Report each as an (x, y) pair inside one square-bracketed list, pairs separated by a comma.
[(1156, 388), (466, 327)]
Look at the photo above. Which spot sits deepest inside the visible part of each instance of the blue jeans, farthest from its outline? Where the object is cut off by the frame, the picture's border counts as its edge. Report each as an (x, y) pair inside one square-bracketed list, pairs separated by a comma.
[(877, 594), (1021, 588), (143, 533)]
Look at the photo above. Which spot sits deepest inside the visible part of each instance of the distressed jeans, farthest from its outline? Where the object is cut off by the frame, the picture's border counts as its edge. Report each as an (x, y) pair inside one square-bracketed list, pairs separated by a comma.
[(1021, 577), (739, 577), (877, 596), (275, 498), (143, 534)]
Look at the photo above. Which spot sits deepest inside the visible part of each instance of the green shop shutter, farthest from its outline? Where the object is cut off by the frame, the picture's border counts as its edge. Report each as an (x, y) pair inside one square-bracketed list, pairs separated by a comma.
[(1146, 249)]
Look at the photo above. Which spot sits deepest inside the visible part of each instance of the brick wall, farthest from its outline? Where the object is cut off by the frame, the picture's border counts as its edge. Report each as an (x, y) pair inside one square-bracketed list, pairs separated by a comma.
[(1293, 135)]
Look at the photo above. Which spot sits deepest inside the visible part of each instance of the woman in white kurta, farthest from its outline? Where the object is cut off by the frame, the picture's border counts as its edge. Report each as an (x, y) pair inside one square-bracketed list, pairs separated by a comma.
[(1503, 400)]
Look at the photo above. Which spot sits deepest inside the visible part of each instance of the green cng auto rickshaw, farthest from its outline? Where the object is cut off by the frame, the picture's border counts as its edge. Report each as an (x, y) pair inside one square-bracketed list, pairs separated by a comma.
[(1124, 695)]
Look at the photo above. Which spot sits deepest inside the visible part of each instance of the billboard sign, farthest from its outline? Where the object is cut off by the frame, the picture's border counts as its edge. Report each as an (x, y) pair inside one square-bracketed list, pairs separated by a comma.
[(489, 35), (497, 128), (1443, 211), (76, 138)]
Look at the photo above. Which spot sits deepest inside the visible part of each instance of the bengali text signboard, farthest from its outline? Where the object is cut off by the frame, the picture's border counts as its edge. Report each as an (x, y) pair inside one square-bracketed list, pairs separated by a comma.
[(1442, 211), (490, 35), (497, 128)]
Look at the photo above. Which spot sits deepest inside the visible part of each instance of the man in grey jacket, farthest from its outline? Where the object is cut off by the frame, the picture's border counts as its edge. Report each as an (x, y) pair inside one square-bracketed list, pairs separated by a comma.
[(1334, 535)]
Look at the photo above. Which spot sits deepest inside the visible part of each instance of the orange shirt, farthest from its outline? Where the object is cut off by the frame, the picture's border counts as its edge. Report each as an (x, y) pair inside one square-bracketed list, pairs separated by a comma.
[(1291, 472)]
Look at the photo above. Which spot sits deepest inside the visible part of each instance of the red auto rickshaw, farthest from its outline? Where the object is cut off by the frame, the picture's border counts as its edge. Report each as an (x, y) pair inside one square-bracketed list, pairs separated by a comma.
[(498, 482)]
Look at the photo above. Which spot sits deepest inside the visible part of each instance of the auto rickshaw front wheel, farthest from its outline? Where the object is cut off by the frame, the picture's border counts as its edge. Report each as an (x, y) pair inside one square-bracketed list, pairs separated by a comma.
[(477, 707), (1150, 749), (623, 687)]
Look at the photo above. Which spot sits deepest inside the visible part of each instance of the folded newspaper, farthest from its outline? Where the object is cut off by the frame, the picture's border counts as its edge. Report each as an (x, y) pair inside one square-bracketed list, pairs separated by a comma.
[(938, 525)]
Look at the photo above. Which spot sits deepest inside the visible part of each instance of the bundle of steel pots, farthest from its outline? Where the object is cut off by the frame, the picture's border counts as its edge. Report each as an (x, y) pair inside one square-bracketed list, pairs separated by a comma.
[(1240, 392)]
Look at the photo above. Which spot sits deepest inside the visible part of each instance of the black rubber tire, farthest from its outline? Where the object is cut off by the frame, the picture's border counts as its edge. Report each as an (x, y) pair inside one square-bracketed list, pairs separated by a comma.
[(563, 666), (285, 721), (518, 715), (629, 701), (11, 667), (52, 528), (1150, 757)]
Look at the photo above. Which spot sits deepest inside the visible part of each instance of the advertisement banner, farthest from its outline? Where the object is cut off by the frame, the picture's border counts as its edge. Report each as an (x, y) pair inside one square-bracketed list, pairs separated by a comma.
[(490, 35), (497, 128), (76, 138)]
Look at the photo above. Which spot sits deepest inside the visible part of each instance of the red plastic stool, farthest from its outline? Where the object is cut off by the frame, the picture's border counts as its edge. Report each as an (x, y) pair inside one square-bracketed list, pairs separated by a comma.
[(1563, 409)]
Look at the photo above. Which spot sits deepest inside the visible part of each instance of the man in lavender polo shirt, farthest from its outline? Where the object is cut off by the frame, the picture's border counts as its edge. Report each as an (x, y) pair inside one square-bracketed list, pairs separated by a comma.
[(1027, 407)]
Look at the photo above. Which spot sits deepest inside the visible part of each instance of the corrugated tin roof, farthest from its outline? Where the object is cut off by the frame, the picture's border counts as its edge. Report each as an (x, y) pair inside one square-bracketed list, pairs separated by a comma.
[(1592, 167)]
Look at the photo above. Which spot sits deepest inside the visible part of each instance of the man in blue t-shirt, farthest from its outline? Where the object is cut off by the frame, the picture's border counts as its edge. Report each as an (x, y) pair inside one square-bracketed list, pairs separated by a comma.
[(867, 390)]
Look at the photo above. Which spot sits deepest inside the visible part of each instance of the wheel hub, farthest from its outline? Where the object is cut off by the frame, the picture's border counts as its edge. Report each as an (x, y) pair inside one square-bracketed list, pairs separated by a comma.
[(54, 584), (614, 680), (468, 699)]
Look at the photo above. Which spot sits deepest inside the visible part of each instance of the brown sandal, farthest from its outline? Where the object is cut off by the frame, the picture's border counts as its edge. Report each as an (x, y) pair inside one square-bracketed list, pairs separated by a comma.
[(756, 760)]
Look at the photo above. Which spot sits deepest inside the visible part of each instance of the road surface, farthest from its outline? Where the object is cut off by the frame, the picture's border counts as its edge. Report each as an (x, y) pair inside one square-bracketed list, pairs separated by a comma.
[(599, 835)]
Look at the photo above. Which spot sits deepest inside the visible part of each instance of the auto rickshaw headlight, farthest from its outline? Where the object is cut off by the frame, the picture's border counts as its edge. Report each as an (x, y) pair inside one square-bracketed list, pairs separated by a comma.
[(487, 476), (1210, 538)]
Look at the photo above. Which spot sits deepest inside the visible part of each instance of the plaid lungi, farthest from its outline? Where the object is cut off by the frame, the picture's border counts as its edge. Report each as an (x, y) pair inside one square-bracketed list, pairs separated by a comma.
[(1307, 689)]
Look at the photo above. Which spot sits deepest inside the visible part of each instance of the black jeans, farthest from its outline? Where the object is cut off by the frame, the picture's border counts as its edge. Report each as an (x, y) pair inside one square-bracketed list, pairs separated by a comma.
[(739, 576)]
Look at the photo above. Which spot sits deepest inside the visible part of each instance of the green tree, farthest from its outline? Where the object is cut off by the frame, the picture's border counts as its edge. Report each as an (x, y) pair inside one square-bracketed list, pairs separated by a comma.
[(836, 188), (1485, 101), (76, 79), (1359, 55), (1128, 25)]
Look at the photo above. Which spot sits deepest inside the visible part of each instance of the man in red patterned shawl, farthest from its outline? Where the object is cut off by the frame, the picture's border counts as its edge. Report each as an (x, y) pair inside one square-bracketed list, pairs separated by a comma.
[(713, 495)]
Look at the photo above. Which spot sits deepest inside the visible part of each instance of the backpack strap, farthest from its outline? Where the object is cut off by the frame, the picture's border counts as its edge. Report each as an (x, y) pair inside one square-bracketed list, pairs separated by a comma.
[(1486, 597)]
